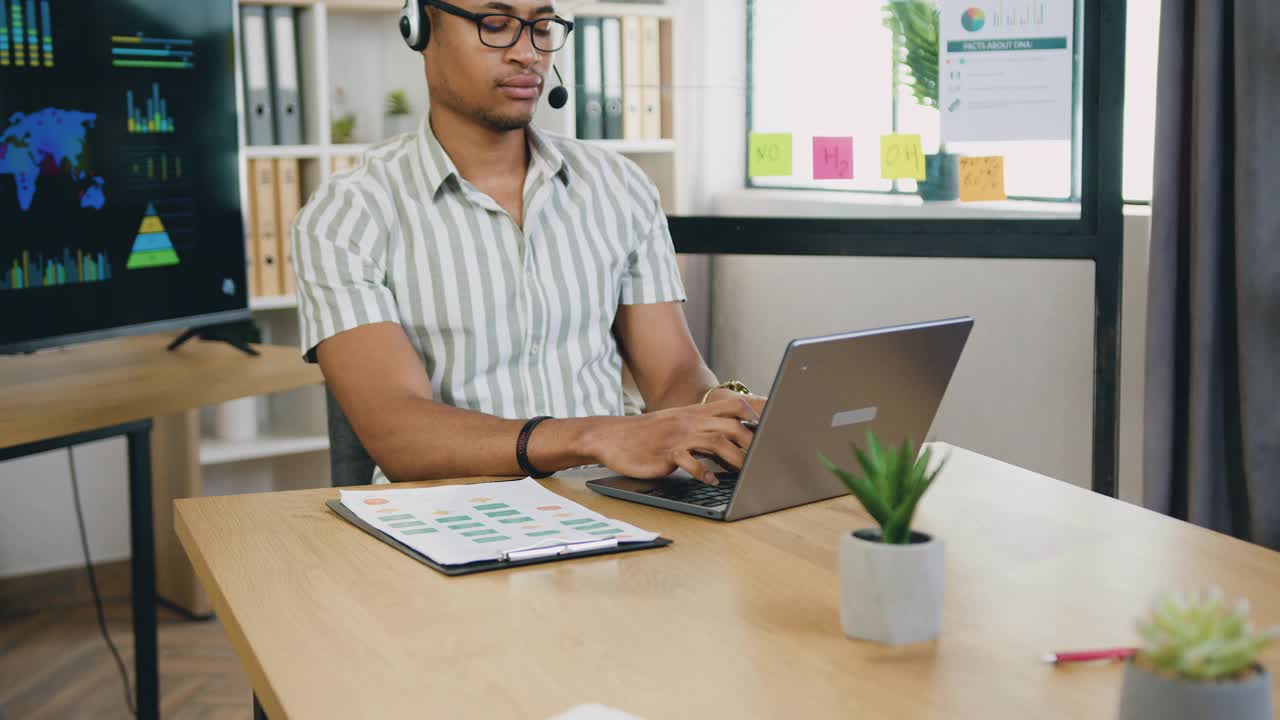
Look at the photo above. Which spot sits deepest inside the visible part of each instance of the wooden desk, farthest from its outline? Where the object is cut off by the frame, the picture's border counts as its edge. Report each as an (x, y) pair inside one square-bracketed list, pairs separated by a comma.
[(58, 398), (733, 620)]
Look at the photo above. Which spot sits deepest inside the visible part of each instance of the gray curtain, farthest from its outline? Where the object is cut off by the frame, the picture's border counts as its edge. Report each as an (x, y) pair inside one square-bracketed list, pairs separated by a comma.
[(1212, 452)]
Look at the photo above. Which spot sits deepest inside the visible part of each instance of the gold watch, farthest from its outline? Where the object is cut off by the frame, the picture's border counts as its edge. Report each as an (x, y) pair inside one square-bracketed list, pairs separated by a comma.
[(733, 385)]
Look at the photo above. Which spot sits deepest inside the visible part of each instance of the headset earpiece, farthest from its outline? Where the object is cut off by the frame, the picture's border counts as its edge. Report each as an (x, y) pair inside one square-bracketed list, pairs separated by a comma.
[(415, 28)]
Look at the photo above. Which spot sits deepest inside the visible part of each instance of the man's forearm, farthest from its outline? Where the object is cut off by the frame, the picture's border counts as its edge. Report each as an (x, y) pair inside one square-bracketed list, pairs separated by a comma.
[(685, 388), (428, 440)]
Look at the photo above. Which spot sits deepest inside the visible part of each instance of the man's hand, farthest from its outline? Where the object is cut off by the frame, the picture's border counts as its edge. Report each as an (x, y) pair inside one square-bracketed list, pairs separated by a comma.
[(653, 445), (755, 401)]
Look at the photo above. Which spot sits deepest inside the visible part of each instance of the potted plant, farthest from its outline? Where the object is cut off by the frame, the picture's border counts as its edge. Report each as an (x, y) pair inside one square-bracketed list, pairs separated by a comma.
[(343, 129), (1198, 661), (914, 24), (891, 577), (398, 114)]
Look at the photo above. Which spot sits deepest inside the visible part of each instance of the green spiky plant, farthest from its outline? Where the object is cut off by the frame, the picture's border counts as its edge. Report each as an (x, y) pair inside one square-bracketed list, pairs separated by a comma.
[(892, 482), (1199, 638), (397, 103), (914, 24), (343, 129)]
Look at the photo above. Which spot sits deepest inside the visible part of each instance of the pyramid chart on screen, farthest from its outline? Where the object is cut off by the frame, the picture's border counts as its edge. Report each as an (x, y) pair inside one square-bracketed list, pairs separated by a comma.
[(152, 248)]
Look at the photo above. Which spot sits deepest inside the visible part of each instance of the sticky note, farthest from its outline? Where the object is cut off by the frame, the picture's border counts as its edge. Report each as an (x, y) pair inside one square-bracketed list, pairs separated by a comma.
[(833, 158), (770, 155), (982, 178), (901, 156)]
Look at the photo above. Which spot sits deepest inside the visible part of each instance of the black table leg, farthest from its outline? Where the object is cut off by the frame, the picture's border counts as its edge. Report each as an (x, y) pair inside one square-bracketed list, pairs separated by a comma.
[(142, 534)]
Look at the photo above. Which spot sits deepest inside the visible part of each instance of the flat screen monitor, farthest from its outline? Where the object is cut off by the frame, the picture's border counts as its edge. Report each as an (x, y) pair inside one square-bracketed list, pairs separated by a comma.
[(119, 175)]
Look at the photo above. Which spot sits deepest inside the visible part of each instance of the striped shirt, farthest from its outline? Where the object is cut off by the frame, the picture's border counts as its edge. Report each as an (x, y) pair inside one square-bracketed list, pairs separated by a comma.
[(510, 322)]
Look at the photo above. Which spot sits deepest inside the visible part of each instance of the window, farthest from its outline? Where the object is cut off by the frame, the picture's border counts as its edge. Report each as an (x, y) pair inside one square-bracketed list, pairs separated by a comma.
[(842, 82)]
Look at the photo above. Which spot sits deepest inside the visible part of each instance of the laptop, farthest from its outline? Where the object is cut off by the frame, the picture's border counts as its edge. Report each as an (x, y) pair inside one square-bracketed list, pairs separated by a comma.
[(827, 393)]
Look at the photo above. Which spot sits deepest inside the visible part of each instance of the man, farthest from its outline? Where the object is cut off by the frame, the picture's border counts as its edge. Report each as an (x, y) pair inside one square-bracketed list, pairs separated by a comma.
[(471, 278)]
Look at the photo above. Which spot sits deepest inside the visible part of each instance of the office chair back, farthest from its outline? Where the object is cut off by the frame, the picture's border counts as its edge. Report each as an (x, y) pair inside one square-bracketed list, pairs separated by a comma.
[(349, 463)]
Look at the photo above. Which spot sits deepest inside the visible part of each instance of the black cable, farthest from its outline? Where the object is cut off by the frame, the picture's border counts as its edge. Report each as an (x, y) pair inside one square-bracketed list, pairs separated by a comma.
[(93, 587)]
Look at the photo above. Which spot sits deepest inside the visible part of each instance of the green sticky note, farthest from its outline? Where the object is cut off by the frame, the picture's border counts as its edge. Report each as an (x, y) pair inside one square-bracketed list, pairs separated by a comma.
[(901, 157), (770, 155)]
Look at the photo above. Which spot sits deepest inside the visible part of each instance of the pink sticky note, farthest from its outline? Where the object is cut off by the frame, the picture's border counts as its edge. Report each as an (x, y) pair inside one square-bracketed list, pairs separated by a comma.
[(833, 158)]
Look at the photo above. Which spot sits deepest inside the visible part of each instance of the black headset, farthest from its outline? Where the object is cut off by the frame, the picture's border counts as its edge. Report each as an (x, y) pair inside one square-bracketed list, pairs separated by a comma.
[(415, 28)]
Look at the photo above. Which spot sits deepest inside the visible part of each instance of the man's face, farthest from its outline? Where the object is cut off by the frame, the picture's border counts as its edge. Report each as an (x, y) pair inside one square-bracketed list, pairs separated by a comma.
[(498, 87)]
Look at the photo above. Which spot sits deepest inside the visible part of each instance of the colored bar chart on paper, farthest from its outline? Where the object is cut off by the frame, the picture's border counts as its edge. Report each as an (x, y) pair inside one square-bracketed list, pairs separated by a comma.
[(140, 51), (461, 524), (36, 270), (26, 34), (152, 117)]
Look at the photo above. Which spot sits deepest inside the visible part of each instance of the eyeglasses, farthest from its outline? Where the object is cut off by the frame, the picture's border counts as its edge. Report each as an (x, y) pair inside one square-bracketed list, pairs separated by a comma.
[(498, 30)]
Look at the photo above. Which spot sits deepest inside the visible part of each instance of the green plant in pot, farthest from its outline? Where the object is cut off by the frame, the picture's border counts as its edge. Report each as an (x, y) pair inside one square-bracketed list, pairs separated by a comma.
[(397, 113), (914, 24), (1198, 660), (343, 129), (890, 577)]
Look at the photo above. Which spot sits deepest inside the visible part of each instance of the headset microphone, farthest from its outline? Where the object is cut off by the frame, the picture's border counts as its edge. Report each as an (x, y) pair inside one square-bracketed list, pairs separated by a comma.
[(559, 95)]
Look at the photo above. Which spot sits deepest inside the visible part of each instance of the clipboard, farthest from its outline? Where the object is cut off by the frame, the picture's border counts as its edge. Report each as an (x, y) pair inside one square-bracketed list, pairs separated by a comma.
[(545, 556)]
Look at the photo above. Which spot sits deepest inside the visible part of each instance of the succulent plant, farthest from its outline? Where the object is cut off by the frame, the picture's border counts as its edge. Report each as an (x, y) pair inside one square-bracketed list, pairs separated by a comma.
[(397, 103), (1200, 638), (892, 483)]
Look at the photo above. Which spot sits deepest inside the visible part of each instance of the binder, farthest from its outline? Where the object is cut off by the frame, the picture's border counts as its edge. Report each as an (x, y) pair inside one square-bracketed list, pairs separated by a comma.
[(288, 203), (251, 249), (632, 80), (285, 92), (611, 66), (533, 556), (260, 123), (590, 105), (651, 71), (264, 220)]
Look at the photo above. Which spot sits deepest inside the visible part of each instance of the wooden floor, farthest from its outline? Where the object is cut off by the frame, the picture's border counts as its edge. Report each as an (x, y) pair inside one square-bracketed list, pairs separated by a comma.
[(55, 664)]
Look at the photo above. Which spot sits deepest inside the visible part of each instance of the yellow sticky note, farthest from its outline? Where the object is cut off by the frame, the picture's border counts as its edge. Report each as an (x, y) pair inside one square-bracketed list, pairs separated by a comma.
[(982, 178), (901, 156), (770, 155)]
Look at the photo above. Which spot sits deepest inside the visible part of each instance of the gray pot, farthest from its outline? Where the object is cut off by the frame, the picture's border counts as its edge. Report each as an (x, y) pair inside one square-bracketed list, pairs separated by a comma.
[(1146, 695), (890, 594), (941, 177)]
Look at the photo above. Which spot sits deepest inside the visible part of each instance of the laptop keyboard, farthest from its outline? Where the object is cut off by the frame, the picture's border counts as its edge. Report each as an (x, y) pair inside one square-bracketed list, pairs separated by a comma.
[(696, 493)]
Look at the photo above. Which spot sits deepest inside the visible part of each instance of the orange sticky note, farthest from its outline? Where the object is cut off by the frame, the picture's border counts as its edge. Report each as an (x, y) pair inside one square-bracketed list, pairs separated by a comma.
[(901, 156), (982, 178)]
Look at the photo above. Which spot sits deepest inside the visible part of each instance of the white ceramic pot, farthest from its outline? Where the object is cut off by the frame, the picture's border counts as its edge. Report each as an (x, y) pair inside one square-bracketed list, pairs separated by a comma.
[(1147, 695), (236, 419), (890, 594)]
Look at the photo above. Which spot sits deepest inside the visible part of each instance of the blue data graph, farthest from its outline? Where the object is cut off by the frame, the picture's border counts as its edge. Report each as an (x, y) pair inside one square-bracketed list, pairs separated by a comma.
[(154, 118)]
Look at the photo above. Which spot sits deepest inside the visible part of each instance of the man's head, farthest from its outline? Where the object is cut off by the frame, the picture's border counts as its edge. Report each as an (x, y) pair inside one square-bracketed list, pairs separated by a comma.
[(497, 87)]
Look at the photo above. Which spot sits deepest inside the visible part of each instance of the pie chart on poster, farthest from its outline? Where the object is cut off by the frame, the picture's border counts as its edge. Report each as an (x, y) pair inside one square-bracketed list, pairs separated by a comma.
[(973, 19)]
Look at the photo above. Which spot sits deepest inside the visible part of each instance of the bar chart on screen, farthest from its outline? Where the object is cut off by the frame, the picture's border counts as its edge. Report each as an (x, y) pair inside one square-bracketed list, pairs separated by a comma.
[(141, 51)]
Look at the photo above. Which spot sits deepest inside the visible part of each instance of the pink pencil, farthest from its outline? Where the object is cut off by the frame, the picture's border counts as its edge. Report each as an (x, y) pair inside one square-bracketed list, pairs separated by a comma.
[(1057, 658)]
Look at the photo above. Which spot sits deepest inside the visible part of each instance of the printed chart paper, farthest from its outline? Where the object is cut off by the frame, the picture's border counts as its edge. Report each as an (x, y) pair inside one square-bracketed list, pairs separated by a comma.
[(457, 524), (1005, 69)]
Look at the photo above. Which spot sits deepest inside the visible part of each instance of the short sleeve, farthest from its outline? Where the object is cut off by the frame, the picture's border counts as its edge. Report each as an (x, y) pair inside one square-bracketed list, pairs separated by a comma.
[(652, 275), (339, 260)]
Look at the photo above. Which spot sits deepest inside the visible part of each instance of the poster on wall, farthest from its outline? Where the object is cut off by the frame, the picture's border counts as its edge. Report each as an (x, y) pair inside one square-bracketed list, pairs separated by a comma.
[(1005, 69)]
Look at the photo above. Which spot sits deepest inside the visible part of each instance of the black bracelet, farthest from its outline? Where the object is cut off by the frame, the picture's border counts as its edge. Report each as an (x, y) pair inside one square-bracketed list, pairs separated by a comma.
[(522, 449)]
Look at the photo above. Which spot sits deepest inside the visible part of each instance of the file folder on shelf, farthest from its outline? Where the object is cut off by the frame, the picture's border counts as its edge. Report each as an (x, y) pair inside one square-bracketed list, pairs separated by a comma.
[(590, 83), (651, 69), (285, 87), (611, 65), (632, 80), (260, 123), (288, 203), (263, 200)]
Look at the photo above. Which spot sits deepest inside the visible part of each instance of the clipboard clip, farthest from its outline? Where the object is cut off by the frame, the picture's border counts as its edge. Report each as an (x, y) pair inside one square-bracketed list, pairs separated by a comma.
[(540, 551)]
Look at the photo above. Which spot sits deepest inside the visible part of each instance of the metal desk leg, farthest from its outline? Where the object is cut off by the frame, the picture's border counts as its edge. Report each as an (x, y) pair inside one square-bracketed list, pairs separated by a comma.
[(142, 534)]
